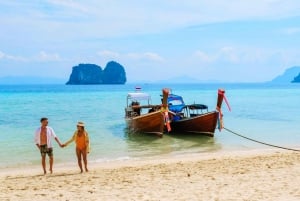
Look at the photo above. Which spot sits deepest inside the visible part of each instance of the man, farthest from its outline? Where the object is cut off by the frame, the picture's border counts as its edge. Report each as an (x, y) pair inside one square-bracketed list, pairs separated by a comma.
[(43, 141)]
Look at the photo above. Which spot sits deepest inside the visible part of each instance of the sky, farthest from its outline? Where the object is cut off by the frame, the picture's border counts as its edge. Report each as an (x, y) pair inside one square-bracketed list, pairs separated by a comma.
[(155, 40)]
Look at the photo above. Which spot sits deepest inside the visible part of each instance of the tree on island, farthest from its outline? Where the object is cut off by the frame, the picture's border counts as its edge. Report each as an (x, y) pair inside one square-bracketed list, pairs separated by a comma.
[(85, 74)]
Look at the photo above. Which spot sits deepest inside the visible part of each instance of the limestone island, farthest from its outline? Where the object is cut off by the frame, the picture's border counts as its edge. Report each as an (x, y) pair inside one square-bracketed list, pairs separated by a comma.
[(88, 74)]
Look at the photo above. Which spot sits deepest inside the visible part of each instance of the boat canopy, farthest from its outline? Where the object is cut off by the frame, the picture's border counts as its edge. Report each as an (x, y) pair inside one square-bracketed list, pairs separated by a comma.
[(138, 96), (176, 103)]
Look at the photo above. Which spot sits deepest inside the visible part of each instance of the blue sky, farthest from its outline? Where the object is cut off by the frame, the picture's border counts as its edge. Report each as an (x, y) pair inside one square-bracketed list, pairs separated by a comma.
[(224, 40)]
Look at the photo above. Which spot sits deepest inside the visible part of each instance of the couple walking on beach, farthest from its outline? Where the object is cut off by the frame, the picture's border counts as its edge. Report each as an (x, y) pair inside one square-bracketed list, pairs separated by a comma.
[(43, 140)]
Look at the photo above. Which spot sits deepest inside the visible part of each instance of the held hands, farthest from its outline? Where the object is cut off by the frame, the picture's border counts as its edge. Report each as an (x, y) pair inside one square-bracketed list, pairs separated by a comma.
[(62, 145)]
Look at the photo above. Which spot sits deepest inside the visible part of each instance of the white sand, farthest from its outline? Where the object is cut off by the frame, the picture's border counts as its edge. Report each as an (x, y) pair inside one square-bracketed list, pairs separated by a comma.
[(260, 175)]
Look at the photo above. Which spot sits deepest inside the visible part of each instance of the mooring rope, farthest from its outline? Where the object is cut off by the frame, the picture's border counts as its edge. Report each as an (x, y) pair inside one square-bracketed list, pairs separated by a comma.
[(271, 145)]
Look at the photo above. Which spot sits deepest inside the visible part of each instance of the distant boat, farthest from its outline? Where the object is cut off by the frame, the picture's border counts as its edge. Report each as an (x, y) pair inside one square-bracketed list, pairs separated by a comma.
[(143, 117), (194, 118)]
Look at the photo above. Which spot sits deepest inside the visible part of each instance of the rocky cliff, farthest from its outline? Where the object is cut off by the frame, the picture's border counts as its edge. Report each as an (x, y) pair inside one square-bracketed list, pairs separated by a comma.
[(114, 73), (85, 74)]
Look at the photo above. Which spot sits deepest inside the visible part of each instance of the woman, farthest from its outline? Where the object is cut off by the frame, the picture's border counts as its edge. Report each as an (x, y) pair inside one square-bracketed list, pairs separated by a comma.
[(81, 139)]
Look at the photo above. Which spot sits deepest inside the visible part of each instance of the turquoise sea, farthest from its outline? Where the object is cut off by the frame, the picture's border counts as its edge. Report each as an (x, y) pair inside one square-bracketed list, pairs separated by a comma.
[(265, 112)]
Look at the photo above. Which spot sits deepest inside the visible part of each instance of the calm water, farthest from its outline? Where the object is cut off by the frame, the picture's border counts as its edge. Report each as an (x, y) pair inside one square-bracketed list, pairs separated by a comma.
[(264, 112)]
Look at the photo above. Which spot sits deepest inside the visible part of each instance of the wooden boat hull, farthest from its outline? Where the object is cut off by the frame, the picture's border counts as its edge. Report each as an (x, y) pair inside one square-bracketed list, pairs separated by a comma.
[(148, 123), (202, 124)]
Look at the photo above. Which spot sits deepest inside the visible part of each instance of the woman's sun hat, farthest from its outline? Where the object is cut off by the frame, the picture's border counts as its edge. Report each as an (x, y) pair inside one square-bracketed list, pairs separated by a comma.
[(80, 123)]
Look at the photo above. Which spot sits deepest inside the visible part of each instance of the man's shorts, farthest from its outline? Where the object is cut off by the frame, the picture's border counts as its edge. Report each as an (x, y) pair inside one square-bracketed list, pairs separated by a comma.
[(45, 150)]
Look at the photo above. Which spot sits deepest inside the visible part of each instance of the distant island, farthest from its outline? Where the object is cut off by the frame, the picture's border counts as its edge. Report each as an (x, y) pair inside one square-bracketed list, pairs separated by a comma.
[(291, 75), (85, 74), (114, 73), (297, 78)]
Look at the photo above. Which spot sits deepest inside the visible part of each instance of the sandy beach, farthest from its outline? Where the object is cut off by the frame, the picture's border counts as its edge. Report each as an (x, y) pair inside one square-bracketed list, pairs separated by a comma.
[(243, 175)]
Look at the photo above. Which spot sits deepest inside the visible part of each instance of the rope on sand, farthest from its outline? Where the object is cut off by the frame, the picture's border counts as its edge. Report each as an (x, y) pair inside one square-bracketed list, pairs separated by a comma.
[(271, 145)]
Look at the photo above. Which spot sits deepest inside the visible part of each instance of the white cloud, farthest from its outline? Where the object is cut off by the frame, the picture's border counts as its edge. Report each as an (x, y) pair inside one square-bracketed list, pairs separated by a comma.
[(115, 18), (149, 56), (204, 57), (46, 57), (146, 56), (108, 54), (4, 56), (227, 54), (120, 18), (154, 57), (245, 55), (41, 57)]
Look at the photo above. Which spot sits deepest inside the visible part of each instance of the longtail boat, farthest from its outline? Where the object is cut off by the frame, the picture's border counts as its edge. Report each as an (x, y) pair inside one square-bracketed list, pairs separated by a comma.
[(195, 118), (143, 117)]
